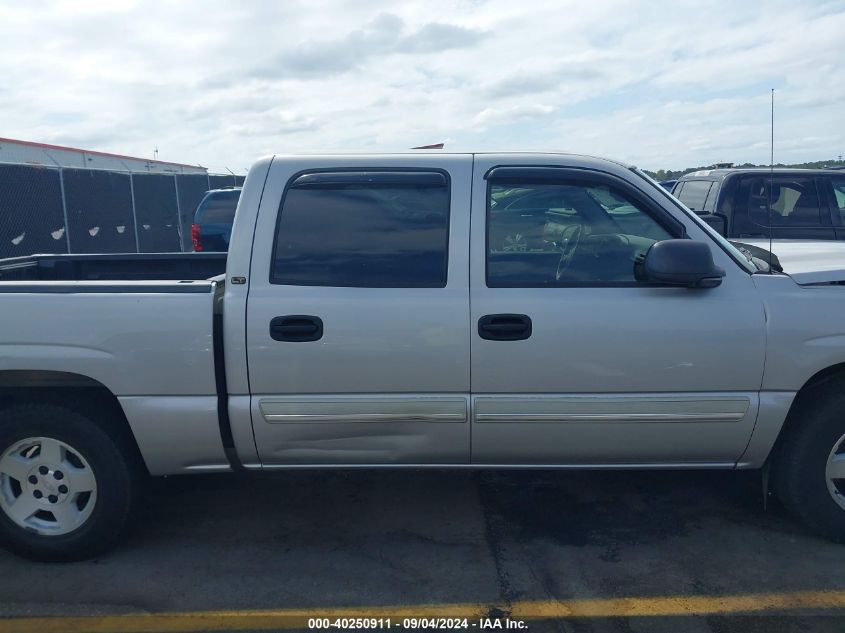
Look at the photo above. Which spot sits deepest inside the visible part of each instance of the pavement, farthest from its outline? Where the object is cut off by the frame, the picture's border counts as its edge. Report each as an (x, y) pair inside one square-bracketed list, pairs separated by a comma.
[(545, 550)]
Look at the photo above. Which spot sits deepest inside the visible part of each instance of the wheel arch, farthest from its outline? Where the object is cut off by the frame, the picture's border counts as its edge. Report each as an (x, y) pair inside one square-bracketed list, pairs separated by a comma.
[(822, 379), (802, 451), (82, 394), (828, 378)]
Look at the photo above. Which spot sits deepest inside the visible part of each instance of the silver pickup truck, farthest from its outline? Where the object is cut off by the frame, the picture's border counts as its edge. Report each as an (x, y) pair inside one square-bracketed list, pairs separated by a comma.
[(417, 310)]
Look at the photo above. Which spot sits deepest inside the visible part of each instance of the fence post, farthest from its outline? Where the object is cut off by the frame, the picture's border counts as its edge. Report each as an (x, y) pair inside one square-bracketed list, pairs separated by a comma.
[(64, 208), (134, 215)]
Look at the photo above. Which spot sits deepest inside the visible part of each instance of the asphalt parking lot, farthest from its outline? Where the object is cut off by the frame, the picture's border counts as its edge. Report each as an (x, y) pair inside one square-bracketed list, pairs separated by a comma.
[(565, 551)]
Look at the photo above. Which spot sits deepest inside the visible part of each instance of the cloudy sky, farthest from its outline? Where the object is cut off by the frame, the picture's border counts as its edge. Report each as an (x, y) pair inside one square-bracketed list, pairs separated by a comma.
[(669, 85)]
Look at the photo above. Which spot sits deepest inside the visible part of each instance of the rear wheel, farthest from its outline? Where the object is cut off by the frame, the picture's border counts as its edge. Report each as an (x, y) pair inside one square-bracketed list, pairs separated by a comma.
[(66, 485), (809, 467)]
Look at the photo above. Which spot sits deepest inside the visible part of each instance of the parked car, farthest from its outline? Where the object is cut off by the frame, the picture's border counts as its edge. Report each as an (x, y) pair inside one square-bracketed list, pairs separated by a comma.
[(667, 184), (213, 220), (417, 310), (754, 203)]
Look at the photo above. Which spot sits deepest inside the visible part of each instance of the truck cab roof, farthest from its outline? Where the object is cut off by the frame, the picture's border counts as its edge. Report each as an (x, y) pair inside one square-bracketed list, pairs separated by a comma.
[(722, 173)]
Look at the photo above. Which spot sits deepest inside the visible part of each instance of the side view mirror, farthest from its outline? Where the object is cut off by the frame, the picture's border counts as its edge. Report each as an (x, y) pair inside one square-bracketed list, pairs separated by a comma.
[(716, 221), (680, 263)]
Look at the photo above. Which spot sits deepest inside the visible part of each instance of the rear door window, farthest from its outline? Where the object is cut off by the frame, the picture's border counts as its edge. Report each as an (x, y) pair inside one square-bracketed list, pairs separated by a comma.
[(785, 201), (364, 230)]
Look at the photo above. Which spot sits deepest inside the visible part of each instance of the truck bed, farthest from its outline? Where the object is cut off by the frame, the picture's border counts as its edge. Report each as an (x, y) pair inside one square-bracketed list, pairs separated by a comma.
[(144, 327), (114, 267)]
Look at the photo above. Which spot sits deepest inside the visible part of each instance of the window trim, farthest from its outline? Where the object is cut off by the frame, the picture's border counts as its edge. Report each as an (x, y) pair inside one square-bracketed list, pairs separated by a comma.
[(550, 175), (291, 184), (378, 178)]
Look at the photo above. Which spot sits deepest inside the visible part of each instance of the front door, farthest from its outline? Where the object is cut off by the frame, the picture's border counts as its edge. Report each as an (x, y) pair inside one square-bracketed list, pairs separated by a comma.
[(358, 326), (574, 361)]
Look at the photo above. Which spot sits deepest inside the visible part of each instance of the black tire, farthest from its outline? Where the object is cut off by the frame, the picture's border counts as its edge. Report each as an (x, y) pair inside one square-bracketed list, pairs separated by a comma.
[(813, 428), (117, 482)]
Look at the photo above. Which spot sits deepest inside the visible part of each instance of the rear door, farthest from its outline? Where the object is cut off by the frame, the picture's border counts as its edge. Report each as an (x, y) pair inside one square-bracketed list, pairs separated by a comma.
[(575, 362), (358, 323)]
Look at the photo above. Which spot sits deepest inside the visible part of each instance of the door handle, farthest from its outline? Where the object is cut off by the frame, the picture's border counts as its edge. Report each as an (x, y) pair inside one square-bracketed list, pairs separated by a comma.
[(296, 327), (504, 327)]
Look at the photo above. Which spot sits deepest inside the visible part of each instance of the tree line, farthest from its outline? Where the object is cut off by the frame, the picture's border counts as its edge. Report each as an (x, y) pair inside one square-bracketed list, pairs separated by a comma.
[(672, 174)]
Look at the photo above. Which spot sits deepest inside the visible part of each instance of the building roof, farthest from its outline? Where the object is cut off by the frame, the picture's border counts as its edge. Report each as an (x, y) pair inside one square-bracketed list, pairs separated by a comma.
[(95, 153)]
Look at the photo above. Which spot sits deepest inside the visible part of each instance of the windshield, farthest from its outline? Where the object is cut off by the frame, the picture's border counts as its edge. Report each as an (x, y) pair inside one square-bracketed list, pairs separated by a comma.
[(741, 258)]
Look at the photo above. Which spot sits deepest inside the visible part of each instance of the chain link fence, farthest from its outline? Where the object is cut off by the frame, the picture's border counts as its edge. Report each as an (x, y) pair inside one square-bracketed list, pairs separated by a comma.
[(64, 210)]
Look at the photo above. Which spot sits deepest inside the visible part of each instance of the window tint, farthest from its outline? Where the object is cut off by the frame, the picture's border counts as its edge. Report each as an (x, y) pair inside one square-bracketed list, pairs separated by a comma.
[(694, 194), (218, 208), (560, 234), (794, 201), (364, 230), (839, 194)]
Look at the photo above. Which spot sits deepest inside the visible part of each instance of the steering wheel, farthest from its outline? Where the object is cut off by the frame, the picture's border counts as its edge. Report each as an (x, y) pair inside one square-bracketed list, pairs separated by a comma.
[(570, 238)]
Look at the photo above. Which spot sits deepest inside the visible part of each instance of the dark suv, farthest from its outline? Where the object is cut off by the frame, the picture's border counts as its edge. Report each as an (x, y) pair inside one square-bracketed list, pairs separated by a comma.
[(748, 203), (213, 219)]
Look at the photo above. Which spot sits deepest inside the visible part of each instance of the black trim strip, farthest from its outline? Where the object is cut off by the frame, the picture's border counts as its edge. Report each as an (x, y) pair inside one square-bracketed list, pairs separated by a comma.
[(223, 420), (533, 174), (76, 288), (554, 174), (341, 179)]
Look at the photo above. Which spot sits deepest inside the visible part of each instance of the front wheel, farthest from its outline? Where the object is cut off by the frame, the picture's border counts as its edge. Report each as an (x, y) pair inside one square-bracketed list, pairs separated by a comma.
[(809, 467), (66, 485)]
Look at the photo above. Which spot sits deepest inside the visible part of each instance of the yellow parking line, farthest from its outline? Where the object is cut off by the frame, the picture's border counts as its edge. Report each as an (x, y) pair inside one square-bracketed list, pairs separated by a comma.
[(275, 619), (682, 605)]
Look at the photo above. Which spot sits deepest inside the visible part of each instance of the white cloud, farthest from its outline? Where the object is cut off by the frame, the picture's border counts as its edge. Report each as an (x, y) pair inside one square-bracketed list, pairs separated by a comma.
[(491, 116), (220, 83)]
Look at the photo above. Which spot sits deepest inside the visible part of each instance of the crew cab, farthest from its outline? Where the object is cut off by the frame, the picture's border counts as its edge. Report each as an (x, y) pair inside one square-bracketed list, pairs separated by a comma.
[(417, 310), (759, 203)]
